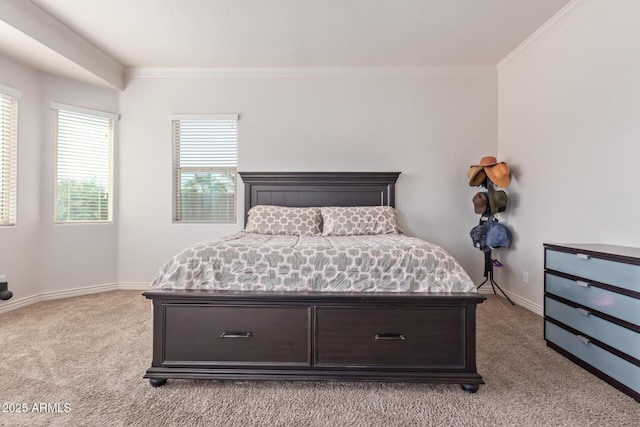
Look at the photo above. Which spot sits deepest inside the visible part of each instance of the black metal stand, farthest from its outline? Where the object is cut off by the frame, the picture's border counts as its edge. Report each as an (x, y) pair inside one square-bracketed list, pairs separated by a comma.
[(488, 274)]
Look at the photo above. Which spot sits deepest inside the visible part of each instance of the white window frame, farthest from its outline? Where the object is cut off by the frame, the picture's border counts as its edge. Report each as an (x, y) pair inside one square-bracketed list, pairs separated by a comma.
[(79, 112), (212, 162), (9, 104)]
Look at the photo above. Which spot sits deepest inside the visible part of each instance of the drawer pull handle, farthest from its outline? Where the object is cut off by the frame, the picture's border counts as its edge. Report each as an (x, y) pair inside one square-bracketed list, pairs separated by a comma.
[(396, 337), (583, 256), (583, 340), (583, 284), (236, 335), (582, 311)]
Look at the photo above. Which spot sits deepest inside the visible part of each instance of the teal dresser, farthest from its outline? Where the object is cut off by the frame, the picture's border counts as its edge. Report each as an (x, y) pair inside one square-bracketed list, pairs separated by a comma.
[(592, 310)]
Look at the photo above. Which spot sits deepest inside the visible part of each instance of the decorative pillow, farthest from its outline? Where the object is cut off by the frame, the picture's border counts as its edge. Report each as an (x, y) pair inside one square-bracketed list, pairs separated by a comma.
[(266, 219), (350, 221)]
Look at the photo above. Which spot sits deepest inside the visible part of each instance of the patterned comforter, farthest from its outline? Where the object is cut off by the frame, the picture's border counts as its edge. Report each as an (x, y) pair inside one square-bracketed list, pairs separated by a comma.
[(376, 263)]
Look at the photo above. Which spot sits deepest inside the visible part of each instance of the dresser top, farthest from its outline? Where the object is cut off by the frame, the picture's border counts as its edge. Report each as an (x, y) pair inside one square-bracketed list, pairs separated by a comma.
[(625, 254)]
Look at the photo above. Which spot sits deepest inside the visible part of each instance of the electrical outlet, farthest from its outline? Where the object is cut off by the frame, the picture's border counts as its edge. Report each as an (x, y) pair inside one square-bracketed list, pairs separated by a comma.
[(525, 277)]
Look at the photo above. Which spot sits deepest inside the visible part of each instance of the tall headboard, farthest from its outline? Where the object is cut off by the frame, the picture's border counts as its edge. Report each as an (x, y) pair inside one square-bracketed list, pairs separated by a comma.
[(306, 189)]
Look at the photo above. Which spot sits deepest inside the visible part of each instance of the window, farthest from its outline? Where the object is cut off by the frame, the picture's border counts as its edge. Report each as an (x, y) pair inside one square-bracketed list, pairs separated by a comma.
[(8, 154), (84, 159), (204, 168)]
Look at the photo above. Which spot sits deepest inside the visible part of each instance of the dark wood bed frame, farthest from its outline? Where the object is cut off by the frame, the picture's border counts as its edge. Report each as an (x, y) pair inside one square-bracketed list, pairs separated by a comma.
[(412, 337)]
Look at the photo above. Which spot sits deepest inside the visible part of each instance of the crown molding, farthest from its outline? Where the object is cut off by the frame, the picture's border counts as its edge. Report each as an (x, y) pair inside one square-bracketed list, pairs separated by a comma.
[(564, 14), (150, 72)]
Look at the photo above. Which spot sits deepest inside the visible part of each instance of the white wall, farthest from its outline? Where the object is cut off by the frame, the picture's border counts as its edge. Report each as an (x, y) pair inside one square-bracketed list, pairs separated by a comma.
[(430, 126), (564, 111), (569, 126), (37, 256), (20, 244), (73, 255)]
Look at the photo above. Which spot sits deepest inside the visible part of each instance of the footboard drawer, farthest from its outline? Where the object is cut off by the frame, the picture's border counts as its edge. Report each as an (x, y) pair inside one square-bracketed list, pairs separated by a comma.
[(236, 335), (387, 337), (315, 336)]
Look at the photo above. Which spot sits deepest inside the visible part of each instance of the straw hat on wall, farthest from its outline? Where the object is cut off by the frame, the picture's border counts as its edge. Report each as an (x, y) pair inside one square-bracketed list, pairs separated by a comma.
[(489, 166)]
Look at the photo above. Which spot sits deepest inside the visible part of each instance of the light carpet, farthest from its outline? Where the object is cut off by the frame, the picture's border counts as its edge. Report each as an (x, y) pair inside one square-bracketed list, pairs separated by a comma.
[(80, 361)]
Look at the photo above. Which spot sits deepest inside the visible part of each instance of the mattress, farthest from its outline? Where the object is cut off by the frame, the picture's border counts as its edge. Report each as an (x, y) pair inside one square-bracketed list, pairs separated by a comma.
[(362, 263)]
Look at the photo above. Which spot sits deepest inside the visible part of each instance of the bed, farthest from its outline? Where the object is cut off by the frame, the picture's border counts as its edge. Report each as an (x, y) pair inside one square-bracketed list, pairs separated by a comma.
[(295, 307)]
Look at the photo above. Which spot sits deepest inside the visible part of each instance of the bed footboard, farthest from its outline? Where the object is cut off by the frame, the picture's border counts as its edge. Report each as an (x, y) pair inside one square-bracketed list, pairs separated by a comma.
[(315, 336)]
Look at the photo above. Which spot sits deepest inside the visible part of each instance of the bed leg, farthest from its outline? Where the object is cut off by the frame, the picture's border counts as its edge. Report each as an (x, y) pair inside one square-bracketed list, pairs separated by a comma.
[(157, 382), (471, 388)]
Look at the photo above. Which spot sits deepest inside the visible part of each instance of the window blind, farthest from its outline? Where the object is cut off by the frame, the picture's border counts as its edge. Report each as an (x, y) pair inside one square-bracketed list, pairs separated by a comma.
[(205, 169), (84, 150), (8, 158)]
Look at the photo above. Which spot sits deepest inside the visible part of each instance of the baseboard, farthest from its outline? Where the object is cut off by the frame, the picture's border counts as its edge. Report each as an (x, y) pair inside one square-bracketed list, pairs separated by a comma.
[(134, 286), (15, 304), (144, 286), (517, 299), (68, 293)]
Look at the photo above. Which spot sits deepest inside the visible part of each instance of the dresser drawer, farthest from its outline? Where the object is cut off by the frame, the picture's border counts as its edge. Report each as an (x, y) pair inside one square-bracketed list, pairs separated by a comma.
[(614, 304), (616, 336), (614, 273), (617, 368), (388, 337), (236, 335)]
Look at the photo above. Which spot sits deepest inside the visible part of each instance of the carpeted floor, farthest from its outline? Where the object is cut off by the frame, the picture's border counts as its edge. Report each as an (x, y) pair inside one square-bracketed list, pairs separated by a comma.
[(80, 361)]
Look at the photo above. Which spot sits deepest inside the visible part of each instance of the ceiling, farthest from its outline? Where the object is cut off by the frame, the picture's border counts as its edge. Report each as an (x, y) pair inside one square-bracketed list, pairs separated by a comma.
[(278, 33)]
